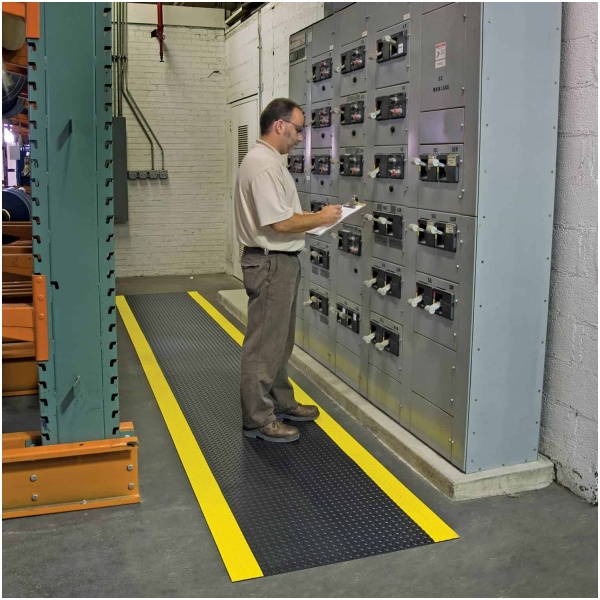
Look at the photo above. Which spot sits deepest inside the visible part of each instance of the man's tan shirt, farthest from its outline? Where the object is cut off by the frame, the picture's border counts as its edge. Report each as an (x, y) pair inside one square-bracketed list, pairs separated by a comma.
[(264, 194)]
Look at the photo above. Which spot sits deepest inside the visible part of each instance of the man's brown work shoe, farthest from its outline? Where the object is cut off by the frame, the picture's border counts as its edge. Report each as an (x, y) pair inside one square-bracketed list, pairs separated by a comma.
[(274, 432), (302, 412)]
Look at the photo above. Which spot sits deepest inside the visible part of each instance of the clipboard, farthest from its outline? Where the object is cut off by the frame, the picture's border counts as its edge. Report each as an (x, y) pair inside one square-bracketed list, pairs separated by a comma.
[(347, 210)]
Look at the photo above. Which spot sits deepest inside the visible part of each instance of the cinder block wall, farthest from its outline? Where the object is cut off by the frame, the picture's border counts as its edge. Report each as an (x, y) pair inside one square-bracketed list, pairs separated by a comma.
[(176, 226), (570, 401)]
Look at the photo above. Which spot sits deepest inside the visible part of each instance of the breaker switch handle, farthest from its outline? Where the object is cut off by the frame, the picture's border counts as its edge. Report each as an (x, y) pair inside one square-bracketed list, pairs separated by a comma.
[(436, 163), (369, 338), (375, 114), (370, 282), (384, 290), (384, 221), (381, 345), (417, 161), (390, 40), (312, 300), (372, 174), (414, 302), (433, 229), (433, 308)]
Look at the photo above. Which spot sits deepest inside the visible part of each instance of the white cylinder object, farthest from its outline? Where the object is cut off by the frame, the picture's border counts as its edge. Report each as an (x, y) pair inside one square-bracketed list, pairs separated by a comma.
[(415, 228), (414, 302), (384, 290), (375, 114), (309, 302), (370, 282), (373, 174), (381, 345), (432, 308), (434, 229), (369, 338)]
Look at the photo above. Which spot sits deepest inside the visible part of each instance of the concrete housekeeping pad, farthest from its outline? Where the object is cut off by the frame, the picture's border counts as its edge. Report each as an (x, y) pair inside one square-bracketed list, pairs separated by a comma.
[(455, 484)]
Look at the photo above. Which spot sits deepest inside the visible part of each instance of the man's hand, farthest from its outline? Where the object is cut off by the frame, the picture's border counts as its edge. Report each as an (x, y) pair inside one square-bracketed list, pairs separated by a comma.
[(330, 214)]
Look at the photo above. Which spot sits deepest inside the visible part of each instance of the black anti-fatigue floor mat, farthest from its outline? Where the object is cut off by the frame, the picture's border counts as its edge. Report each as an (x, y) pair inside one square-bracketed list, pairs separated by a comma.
[(298, 505)]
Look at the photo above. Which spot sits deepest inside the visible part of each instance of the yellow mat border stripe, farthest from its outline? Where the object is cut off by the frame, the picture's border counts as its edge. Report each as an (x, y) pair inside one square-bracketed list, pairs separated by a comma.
[(237, 556), (423, 516)]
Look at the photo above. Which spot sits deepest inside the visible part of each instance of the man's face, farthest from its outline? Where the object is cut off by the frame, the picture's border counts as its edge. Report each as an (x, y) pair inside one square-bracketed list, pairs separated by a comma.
[(293, 135)]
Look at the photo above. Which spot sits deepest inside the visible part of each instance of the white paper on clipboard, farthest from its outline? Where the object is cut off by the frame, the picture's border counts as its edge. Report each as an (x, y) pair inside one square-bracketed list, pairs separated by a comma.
[(347, 210)]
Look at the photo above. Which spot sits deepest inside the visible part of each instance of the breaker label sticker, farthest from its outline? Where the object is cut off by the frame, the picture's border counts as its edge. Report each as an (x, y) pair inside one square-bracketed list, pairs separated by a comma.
[(440, 55)]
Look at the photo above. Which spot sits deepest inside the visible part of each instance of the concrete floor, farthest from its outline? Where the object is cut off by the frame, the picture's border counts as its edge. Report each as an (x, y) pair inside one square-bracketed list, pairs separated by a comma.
[(539, 544)]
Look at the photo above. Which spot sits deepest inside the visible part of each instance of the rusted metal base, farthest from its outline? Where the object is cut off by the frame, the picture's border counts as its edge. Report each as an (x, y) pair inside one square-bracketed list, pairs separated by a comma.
[(64, 477)]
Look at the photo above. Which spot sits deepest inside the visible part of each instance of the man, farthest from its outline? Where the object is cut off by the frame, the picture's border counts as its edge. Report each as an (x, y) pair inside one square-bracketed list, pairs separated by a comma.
[(270, 224)]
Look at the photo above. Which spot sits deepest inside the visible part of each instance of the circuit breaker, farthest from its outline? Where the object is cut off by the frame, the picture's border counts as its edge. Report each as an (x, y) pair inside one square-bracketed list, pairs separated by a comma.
[(448, 133)]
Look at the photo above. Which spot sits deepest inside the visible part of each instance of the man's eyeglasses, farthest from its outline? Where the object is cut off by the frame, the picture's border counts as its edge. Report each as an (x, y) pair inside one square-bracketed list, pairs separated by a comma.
[(299, 128)]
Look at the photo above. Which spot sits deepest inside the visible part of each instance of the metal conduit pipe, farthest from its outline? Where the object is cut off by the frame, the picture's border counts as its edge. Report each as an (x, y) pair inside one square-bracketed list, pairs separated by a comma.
[(131, 100), (121, 31)]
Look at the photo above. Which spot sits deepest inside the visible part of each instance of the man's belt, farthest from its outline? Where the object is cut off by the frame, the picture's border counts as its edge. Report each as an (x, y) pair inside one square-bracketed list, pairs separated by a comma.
[(266, 252)]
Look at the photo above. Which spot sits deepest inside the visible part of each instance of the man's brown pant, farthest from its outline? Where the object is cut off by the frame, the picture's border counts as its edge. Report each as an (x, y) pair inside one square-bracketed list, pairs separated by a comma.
[(271, 282)]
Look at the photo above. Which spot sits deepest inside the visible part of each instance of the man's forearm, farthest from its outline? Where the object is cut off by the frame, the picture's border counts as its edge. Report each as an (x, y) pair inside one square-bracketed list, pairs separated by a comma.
[(298, 223)]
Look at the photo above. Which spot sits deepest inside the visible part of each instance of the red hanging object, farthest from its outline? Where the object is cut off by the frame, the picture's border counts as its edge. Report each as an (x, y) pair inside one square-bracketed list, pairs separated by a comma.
[(158, 33)]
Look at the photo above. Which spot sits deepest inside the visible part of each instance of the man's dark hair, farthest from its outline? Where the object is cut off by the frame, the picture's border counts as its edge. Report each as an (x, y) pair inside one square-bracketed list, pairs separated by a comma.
[(280, 108)]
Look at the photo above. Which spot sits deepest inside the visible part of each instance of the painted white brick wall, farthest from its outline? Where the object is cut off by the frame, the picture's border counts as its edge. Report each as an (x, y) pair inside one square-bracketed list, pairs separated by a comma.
[(176, 226), (241, 47), (569, 433), (278, 21)]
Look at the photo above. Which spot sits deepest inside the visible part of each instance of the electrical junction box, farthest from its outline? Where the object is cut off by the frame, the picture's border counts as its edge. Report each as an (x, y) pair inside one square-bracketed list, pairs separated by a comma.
[(443, 119)]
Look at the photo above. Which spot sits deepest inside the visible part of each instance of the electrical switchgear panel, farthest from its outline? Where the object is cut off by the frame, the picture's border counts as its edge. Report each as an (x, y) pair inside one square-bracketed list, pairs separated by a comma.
[(352, 113), (321, 117), (348, 318), (392, 46), (350, 242), (385, 282), (437, 234), (353, 60), (390, 107), (322, 70), (410, 114), (319, 302), (439, 167), (296, 163), (351, 165), (322, 164), (384, 339), (319, 257), (389, 166)]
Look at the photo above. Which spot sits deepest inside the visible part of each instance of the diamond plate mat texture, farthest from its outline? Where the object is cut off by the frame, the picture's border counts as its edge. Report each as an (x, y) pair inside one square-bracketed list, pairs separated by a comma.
[(299, 505)]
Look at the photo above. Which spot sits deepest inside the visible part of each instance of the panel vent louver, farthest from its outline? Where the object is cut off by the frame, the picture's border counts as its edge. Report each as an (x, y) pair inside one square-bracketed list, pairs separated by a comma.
[(242, 143)]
